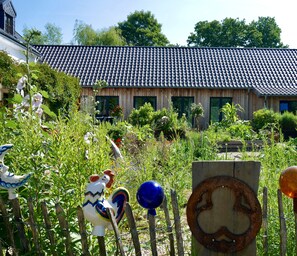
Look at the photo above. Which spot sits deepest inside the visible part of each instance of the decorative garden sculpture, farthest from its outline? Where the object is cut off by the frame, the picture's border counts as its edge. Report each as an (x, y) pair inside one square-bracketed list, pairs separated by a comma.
[(150, 195), (95, 204), (8, 180)]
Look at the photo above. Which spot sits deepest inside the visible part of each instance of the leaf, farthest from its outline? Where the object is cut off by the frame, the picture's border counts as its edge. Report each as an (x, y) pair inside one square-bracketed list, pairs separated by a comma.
[(48, 111), (11, 124), (34, 76), (44, 94), (17, 98)]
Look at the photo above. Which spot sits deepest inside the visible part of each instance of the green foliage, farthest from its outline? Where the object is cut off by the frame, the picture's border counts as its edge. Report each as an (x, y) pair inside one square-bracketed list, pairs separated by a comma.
[(63, 90), (230, 114), (9, 70), (85, 35), (288, 124), (197, 111), (51, 36), (263, 118), (163, 121), (236, 33), (142, 116), (142, 29)]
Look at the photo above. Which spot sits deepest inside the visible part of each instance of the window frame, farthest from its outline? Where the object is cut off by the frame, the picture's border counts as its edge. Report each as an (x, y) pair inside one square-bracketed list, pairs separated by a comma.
[(98, 98), (182, 110), (220, 107), (145, 100)]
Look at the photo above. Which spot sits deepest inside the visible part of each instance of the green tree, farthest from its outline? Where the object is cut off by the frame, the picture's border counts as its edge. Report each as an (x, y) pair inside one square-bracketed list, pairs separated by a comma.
[(142, 29), (51, 36), (236, 33), (270, 32), (84, 34)]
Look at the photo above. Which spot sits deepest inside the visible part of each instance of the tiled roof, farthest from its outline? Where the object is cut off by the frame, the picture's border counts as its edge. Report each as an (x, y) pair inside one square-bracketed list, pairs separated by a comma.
[(268, 71)]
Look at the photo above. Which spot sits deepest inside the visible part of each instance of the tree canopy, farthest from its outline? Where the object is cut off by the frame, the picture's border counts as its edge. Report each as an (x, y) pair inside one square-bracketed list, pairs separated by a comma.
[(237, 33), (142, 29), (84, 34), (51, 36)]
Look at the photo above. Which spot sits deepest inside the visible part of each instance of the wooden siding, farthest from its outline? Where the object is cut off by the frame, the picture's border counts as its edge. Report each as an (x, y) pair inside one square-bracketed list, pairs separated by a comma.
[(245, 98)]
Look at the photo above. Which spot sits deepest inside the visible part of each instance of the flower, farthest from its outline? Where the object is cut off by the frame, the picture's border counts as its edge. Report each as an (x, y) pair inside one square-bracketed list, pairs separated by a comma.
[(37, 100), (39, 112), (21, 85)]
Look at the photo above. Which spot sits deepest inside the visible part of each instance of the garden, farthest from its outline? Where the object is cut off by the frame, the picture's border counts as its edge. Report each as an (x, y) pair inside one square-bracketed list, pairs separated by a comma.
[(63, 147)]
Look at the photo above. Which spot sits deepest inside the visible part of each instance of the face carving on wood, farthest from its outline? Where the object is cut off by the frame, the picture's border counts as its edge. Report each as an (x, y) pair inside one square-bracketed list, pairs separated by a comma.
[(224, 214)]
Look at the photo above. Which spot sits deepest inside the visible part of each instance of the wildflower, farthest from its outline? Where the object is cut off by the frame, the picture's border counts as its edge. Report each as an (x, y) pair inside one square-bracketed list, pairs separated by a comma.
[(21, 85), (39, 112), (88, 137), (37, 100)]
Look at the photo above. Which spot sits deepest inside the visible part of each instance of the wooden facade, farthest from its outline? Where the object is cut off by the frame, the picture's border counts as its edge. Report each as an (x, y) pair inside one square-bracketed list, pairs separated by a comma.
[(248, 100)]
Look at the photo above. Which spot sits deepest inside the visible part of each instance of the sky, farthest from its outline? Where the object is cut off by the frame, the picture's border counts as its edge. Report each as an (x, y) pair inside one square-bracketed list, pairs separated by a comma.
[(178, 18)]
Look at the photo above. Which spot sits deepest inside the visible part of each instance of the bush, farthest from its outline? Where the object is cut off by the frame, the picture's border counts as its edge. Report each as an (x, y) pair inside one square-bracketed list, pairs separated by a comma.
[(142, 116), (288, 124), (263, 118)]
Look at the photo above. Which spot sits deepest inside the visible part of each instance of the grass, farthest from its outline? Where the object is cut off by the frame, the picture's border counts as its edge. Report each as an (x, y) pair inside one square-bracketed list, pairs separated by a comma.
[(57, 157)]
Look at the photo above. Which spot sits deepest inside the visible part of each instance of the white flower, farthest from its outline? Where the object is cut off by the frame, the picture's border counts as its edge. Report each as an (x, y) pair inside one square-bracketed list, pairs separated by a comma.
[(21, 85), (37, 100), (88, 137), (39, 112)]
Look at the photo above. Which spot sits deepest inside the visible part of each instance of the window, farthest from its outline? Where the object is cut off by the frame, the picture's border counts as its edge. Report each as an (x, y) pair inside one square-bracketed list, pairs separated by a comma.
[(216, 104), (8, 24), (182, 105), (286, 105), (105, 104), (141, 100)]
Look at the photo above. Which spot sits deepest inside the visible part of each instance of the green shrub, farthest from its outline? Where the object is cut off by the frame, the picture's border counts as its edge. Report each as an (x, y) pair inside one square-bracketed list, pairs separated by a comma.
[(263, 118), (142, 116), (288, 124), (241, 130)]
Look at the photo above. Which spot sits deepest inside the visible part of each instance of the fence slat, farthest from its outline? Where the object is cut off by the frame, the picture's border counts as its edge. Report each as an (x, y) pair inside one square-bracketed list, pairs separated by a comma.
[(8, 227), (283, 228), (64, 225), (133, 229), (48, 228), (295, 218), (102, 248), (265, 222), (20, 225), (83, 232), (33, 225), (152, 228), (177, 224), (116, 231), (169, 226)]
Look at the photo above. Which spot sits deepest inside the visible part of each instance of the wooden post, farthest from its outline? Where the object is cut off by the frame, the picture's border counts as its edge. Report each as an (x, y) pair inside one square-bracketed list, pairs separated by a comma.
[(82, 231), (133, 229), (152, 228), (246, 172), (283, 227), (265, 222), (169, 227)]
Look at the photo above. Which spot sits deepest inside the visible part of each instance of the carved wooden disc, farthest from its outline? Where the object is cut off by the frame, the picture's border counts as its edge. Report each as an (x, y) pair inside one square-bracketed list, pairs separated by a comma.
[(227, 226)]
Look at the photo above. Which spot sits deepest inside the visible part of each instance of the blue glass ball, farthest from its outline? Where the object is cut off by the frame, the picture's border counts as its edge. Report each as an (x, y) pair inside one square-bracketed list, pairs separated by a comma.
[(150, 195)]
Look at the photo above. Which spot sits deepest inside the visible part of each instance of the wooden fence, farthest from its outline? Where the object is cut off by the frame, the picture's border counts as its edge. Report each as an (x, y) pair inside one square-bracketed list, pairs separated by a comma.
[(27, 240)]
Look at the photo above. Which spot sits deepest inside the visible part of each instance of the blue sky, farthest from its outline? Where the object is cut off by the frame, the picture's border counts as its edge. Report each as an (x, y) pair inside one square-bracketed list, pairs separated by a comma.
[(178, 18)]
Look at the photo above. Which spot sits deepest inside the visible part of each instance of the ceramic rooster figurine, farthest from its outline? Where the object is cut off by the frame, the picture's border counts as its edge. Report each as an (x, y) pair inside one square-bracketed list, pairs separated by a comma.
[(95, 204), (8, 180)]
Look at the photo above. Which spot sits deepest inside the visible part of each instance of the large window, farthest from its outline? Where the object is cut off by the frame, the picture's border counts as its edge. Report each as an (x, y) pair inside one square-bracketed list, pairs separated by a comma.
[(141, 100), (105, 104), (182, 105), (286, 105), (216, 103)]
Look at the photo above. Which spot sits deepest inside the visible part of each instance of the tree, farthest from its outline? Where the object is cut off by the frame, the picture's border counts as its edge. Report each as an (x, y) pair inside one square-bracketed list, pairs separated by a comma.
[(85, 35), (236, 33), (142, 29), (51, 36)]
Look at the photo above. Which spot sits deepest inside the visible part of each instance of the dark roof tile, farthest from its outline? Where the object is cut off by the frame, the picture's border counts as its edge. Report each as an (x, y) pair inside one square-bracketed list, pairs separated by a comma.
[(268, 71)]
